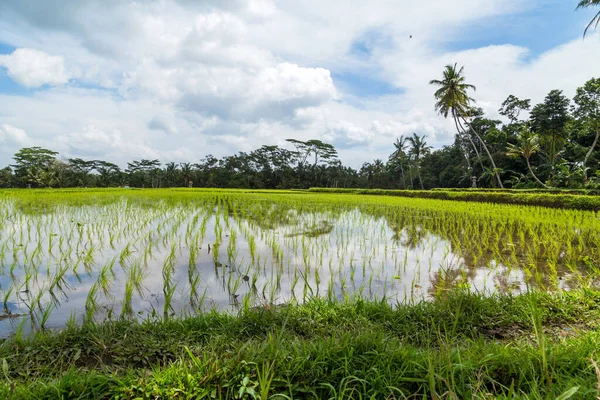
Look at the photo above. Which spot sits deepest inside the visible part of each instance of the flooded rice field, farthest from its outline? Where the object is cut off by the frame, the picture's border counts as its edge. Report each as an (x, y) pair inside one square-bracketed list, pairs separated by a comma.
[(72, 257)]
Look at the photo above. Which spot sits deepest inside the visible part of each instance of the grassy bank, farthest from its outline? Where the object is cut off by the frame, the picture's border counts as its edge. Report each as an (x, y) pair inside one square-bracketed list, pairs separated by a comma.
[(552, 199), (588, 192), (458, 346)]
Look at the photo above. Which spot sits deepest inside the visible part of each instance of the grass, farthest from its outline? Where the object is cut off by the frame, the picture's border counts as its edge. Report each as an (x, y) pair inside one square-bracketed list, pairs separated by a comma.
[(460, 346)]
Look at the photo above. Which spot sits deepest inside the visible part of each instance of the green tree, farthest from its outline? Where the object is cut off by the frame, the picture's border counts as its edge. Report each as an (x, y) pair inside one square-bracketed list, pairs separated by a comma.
[(109, 174), (512, 108), (374, 173), (418, 148), (80, 170), (596, 19), (322, 152), (587, 110), (399, 156), (452, 98), (32, 163), (171, 174), (143, 172), (549, 121), (528, 145), (186, 173), (325, 160), (6, 177)]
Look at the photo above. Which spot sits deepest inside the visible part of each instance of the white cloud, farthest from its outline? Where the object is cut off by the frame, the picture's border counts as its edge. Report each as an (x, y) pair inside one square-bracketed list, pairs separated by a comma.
[(163, 123), (274, 92), (33, 68), (13, 136), (344, 134), (92, 141)]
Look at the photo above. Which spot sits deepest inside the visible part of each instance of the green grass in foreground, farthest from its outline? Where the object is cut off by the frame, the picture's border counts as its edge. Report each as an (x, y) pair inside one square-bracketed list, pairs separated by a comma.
[(537, 346)]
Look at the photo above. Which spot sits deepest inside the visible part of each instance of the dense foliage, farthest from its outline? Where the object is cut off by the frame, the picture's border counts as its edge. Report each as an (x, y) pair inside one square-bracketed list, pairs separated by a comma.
[(553, 144)]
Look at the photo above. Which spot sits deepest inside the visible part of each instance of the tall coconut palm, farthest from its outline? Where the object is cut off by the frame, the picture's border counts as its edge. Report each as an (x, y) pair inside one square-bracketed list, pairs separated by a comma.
[(452, 98), (400, 155), (596, 20), (418, 148), (528, 144)]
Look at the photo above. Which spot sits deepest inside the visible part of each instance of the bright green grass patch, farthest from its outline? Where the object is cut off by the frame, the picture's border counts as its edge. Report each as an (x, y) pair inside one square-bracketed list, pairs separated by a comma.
[(459, 346)]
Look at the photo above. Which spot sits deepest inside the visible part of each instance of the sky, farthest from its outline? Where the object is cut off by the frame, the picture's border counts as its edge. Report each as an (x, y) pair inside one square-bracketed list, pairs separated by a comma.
[(177, 80)]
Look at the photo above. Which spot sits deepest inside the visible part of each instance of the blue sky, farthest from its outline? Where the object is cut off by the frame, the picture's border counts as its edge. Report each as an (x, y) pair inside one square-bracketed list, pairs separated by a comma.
[(539, 28), (546, 25), (176, 81)]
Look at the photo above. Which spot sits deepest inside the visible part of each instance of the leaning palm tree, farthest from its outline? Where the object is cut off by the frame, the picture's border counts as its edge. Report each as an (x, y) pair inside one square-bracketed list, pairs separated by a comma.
[(452, 98), (596, 20), (528, 144), (418, 149)]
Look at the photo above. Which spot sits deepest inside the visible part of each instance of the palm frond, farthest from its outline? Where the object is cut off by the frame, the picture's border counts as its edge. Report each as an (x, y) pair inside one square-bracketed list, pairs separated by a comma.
[(593, 23), (596, 20)]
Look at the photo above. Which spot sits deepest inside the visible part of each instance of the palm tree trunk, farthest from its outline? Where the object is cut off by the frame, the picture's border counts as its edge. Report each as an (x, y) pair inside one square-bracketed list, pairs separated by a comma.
[(419, 171), (589, 154), (488, 153), (472, 144), (403, 177), (466, 154), (534, 176)]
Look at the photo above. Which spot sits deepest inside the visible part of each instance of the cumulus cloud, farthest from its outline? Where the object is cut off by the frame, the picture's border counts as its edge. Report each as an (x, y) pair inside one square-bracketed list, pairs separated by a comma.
[(274, 92), (344, 134), (33, 68), (13, 136), (92, 141)]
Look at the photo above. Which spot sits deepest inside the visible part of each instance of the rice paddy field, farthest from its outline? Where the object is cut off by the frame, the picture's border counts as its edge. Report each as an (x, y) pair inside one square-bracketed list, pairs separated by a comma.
[(490, 280)]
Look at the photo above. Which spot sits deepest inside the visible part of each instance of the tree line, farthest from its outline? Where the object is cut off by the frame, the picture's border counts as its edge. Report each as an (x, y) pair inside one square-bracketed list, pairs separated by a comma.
[(551, 144)]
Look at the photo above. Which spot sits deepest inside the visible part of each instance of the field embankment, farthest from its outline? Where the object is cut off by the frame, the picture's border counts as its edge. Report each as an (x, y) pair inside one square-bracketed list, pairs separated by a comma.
[(567, 199)]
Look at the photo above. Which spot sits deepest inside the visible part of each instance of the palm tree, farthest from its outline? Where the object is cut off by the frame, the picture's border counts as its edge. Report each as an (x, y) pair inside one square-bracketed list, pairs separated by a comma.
[(452, 98), (418, 149), (596, 20), (378, 170), (528, 145), (171, 171), (400, 155), (186, 172)]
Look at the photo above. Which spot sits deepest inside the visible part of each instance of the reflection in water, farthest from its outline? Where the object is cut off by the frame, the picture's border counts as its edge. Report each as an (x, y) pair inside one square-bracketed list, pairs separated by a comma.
[(147, 258)]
